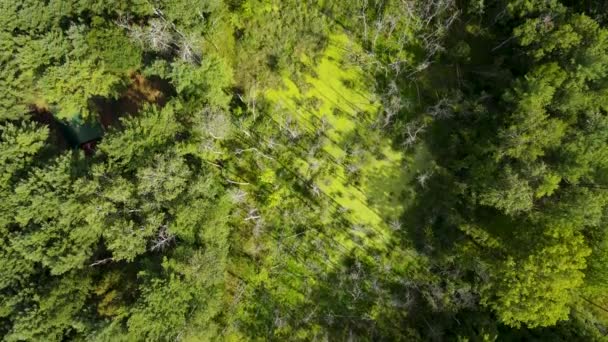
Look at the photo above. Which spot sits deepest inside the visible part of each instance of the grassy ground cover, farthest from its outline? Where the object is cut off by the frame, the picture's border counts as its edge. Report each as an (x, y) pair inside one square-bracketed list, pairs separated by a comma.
[(339, 93)]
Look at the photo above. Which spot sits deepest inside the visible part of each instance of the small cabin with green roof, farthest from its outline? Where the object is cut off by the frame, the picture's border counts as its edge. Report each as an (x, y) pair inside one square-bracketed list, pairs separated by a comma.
[(79, 132)]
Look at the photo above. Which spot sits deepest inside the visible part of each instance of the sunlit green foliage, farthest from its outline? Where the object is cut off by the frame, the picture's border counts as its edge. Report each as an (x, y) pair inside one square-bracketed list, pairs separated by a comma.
[(366, 170)]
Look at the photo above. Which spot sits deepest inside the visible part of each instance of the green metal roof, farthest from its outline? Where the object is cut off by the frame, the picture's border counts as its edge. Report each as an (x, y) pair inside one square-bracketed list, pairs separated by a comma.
[(78, 131)]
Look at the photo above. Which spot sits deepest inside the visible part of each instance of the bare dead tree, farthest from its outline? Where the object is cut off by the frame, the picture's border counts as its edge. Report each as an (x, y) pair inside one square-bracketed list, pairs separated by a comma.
[(253, 214), (397, 302), (272, 144), (251, 99), (186, 51), (412, 130), (434, 18), (314, 166), (324, 125), (163, 36), (356, 291), (239, 151), (209, 146), (242, 287), (215, 123), (258, 227), (395, 225), (185, 44), (279, 321), (391, 108), (315, 190), (310, 315), (159, 36), (363, 16), (465, 298), (397, 66), (353, 167), (329, 318), (292, 128), (378, 29), (442, 109), (163, 240), (410, 299), (238, 196), (430, 11), (101, 262), (420, 67), (422, 178)]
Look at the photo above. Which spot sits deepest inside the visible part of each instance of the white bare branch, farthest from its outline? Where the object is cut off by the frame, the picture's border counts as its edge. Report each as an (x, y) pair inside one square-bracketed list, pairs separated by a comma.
[(163, 240), (412, 130), (101, 262)]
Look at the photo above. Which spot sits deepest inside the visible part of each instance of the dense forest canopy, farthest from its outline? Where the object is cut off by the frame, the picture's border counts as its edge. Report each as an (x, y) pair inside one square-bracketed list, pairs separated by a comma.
[(302, 170)]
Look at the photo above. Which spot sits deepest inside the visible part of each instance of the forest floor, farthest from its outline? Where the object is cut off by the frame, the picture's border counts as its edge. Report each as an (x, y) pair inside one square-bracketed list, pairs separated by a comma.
[(140, 91), (369, 179), (352, 164)]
